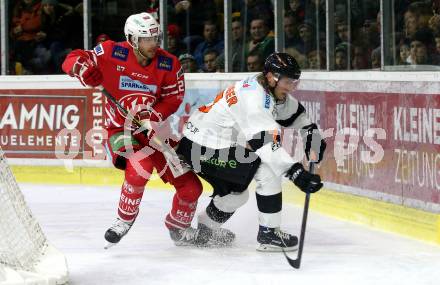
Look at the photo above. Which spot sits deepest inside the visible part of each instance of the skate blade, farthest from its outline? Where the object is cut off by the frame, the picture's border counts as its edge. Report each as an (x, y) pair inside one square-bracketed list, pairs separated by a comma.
[(109, 244), (221, 241), (218, 244), (208, 244), (183, 243), (274, 248)]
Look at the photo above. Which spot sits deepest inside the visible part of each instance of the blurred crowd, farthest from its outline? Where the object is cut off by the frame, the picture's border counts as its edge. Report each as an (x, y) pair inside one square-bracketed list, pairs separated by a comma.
[(42, 32)]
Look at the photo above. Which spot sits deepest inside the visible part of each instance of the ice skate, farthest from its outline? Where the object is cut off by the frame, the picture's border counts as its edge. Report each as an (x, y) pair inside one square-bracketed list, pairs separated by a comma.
[(273, 239), (217, 236), (188, 236), (115, 233)]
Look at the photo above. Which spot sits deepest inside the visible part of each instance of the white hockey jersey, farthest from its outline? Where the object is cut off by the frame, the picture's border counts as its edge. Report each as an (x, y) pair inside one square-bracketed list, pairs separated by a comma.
[(241, 112)]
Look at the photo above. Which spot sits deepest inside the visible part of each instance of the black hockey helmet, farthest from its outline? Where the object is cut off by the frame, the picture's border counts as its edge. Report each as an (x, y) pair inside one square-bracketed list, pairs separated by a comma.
[(283, 64)]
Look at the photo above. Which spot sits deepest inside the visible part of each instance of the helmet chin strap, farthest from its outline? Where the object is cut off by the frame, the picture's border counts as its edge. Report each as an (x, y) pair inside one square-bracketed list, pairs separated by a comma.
[(265, 83), (272, 89), (276, 77), (140, 53)]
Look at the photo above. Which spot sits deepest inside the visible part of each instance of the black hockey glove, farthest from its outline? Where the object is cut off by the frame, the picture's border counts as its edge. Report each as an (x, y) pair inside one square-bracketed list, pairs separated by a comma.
[(313, 141), (306, 181)]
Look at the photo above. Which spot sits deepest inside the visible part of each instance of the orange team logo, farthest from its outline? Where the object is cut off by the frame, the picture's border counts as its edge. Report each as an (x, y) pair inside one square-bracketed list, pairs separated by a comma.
[(230, 97)]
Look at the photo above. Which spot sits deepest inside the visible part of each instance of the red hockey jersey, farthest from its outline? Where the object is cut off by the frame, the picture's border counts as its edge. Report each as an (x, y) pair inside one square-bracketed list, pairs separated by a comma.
[(160, 84)]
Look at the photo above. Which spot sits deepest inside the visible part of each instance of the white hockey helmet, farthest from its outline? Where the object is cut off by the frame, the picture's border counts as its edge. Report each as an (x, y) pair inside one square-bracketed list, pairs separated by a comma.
[(141, 25)]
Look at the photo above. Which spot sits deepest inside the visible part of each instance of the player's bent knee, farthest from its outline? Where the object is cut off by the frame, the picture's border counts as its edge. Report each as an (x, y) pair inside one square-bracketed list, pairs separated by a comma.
[(138, 174)]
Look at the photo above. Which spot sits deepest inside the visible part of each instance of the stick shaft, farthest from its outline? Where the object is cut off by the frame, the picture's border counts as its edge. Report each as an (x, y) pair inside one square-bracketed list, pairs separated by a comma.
[(296, 263)]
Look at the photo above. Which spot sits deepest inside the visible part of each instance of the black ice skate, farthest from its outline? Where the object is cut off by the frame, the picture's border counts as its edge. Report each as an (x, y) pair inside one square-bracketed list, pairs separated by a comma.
[(273, 239), (188, 236), (114, 234), (217, 237)]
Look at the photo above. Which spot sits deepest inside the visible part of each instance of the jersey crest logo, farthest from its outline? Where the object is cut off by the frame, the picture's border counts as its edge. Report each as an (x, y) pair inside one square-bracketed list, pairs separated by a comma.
[(126, 83), (120, 53), (165, 63), (135, 101), (99, 50)]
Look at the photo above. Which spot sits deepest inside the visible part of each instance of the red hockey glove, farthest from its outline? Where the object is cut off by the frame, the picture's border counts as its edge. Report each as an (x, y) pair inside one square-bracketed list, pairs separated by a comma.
[(87, 72)]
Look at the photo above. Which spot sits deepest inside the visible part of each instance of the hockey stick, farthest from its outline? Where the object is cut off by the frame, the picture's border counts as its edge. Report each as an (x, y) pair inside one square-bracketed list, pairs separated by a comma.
[(169, 153), (296, 263)]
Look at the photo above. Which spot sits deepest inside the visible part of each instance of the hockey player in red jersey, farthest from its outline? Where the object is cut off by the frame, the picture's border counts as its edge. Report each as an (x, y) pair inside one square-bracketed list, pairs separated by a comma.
[(149, 82)]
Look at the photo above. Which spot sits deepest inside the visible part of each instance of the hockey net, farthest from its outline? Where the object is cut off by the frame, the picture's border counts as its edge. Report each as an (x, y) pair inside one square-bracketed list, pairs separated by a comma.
[(25, 254)]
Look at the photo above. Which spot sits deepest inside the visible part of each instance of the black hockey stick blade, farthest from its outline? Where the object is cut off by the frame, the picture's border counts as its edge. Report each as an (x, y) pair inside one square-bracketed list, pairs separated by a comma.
[(296, 263)]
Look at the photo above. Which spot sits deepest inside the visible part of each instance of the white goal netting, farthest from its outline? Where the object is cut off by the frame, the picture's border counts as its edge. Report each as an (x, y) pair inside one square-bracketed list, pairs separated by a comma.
[(25, 255)]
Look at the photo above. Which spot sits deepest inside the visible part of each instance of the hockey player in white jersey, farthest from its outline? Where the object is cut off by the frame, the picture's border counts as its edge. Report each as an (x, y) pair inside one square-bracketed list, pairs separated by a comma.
[(237, 138)]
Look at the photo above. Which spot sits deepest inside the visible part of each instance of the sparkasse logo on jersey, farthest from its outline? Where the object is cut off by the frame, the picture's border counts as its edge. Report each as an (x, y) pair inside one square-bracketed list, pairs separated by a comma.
[(126, 83)]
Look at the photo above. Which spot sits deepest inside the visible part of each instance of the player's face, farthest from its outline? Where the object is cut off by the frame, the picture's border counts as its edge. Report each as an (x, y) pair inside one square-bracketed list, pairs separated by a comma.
[(284, 87), (148, 45)]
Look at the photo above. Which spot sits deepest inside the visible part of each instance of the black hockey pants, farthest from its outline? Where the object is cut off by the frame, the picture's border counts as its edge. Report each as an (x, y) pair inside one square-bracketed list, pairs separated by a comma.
[(227, 170)]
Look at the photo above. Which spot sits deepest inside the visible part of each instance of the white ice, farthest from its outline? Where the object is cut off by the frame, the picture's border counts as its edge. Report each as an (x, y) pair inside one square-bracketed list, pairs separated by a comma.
[(75, 218)]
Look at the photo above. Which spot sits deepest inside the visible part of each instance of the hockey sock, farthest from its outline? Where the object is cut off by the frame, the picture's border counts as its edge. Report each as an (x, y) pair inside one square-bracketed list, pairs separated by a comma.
[(188, 190), (269, 209), (136, 177), (213, 217), (129, 201), (181, 213)]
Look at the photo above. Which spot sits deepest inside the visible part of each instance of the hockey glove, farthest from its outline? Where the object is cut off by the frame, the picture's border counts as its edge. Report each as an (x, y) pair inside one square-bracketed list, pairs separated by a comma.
[(313, 141), (154, 126), (87, 72), (141, 132), (306, 181)]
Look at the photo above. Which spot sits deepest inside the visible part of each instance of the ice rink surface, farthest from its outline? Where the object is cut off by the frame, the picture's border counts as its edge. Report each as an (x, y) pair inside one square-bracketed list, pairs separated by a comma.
[(75, 218)]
